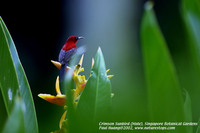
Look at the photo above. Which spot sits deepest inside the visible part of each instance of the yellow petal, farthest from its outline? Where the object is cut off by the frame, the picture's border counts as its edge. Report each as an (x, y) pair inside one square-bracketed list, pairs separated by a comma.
[(58, 65), (107, 70), (81, 60), (57, 86), (62, 119), (59, 99), (92, 63), (110, 76)]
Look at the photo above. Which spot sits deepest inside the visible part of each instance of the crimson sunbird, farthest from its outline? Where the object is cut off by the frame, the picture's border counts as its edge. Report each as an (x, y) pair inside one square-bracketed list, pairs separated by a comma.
[(66, 53)]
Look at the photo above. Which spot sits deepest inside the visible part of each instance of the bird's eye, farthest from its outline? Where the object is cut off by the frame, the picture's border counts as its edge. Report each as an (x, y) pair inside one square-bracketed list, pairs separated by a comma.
[(76, 38)]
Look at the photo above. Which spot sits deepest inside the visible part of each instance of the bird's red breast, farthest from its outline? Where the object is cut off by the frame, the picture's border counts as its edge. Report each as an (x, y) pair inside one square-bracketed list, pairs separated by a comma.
[(69, 46), (70, 43)]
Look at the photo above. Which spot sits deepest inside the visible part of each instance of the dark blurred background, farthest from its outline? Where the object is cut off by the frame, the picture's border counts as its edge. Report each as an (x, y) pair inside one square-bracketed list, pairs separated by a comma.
[(39, 29)]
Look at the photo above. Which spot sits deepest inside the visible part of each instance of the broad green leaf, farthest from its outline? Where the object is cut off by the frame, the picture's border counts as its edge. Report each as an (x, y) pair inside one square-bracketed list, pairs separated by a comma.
[(188, 110), (3, 113), (71, 116), (69, 85), (191, 14), (13, 81), (95, 101), (191, 17), (163, 90), (8, 78), (15, 122), (198, 128), (187, 106)]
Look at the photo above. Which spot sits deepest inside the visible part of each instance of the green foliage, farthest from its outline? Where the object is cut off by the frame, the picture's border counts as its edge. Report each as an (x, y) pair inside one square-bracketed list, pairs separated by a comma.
[(165, 99), (13, 82), (198, 128), (191, 15), (3, 113), (95, 101), (181, 31), (188, 109), (163, 88), (71, 126), (15, 121)]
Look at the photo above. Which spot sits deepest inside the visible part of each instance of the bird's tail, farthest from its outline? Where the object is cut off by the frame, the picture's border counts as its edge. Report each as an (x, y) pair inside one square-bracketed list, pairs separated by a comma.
[(62, 72)]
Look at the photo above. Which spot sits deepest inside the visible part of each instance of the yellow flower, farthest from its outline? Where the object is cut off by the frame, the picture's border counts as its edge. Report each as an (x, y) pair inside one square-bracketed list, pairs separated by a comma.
[(79, 80), (80, 83), (59, 99)]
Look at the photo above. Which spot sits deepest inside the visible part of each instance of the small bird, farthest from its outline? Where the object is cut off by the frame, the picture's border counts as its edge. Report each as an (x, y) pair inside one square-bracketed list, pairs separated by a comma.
[(66, 53)]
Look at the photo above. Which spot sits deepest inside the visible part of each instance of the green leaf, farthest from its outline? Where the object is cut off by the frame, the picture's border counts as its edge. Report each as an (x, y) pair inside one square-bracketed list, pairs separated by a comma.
[(8, 77), (95, 101), (163, 90), (198, 128), (187, 106), (191, 14), (15, 122), (69, 86), (191, 17), (3, 113), (188, 110), (13, 81)]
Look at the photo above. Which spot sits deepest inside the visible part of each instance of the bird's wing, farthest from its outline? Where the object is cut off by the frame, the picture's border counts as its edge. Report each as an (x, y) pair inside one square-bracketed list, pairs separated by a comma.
[(65, 56)]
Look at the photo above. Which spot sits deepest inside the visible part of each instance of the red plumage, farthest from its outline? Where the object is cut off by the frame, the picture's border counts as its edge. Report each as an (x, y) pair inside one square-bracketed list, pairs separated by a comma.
[(70, 43)]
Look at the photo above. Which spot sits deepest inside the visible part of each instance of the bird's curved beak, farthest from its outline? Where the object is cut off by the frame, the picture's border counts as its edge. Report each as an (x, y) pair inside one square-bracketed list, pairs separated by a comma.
[(80, 37)]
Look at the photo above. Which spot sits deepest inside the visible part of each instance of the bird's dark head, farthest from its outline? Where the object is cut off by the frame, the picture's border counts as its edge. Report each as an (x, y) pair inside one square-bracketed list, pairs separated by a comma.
[(74, 39)]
